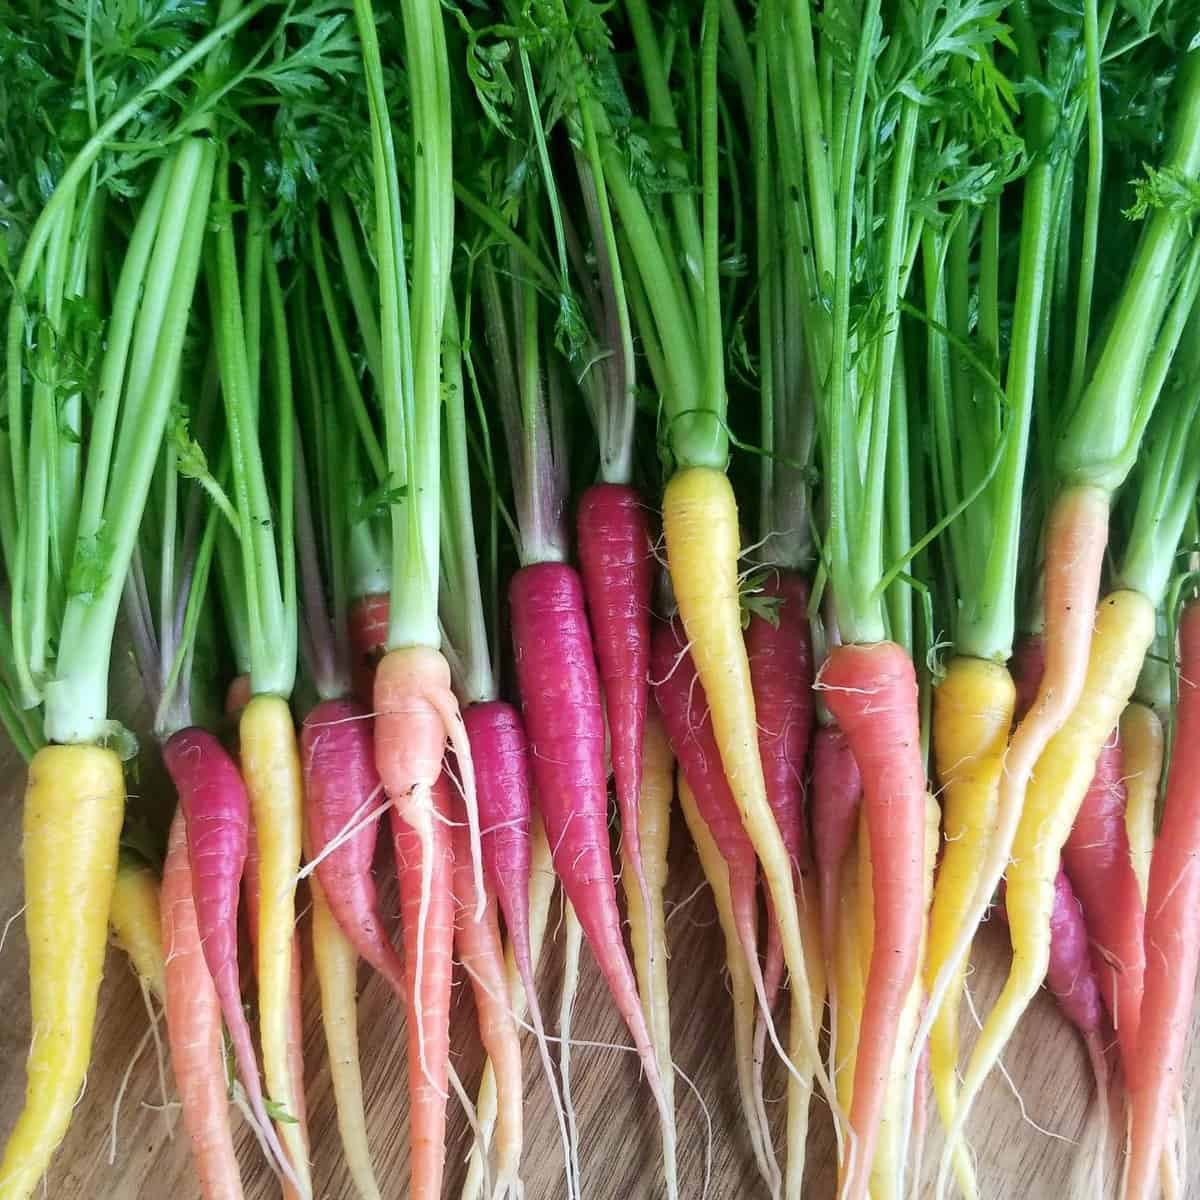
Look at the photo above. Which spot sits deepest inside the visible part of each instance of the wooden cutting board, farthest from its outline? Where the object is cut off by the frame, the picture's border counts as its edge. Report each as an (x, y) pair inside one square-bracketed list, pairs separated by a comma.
[(1025, 1147)]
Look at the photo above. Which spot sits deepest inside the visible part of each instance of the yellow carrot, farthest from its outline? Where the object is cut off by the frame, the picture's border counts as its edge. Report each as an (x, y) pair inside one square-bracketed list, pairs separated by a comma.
[(541, 892), (1124, 630), (700, 523), (336, 964), (972, 715), (848, 960), (650, 944), (271, 768), (136, 921), (741, 986), (74, 807), (1142, 748)]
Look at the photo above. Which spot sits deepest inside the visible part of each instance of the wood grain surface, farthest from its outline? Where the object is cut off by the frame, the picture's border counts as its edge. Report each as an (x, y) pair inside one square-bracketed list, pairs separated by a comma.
[(1025, 1149)]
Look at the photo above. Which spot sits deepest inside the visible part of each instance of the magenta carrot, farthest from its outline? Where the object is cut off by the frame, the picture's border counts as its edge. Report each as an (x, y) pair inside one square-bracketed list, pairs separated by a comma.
[(560, 694), (341, 786), (1097, 859), (194, 1029), (616, 565), (1172, 933), (424, 870), (215, 807), (872, 692)]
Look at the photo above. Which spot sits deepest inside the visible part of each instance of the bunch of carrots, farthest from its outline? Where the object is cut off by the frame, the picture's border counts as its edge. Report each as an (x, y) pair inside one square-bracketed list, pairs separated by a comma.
[(789, 408)]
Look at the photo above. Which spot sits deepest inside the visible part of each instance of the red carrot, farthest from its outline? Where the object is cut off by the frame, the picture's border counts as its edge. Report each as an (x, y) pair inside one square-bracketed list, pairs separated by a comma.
[(341, 785), (1172, 933), (426, 883), (194, 1029), (368, 640), (214, 805), (872, 692), (560, 694), (1097, 859)]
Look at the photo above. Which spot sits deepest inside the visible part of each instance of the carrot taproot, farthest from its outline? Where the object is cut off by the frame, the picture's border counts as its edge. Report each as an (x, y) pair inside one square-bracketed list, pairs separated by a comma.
[(741, 987), (848, 962), (424, 869), (687, 720), (194, 1028), (972, 714), (271, 770), (1097, 859), (292, 1114), (649, 942), (1172, 945), (616, 566), (536, 915), (215, 808), (74, 808), (341, 785), (700, 524), (872, 692), (368, 621), (1124, 629), (335, 960), (1142, 741), (135, 915), (573, 935), (560, 697), (480, 951), (501, 753)]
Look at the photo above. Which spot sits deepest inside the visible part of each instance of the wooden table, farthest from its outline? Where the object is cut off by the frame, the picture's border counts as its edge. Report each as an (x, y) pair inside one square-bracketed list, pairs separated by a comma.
[(1027, 1156)]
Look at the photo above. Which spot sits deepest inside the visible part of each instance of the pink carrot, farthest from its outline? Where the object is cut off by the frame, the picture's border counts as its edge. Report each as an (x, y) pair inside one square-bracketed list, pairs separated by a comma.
[(781, 674), (1172, 933), (1097, 860), (194, 1029), (341, 786), (216, 810), (428, 946), (560, 694), (617, 567)]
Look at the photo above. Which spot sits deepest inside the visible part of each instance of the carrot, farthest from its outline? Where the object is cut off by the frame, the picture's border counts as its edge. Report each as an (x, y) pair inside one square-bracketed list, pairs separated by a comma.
[(848, 960), (617, 569), (136, 919), (368, 620), (650, 943), (687, 719), (1142, 741), (536, 913), (1173, 948), (741, 987), (424, 868), (293, 1116), (701, 527), (74, 807), (341, 786), (1124, 628), (335, 959), (1097, 860), (479, 950), (194, 1028), (972, 716), (560, 696), (215, 808), (872, 692)]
